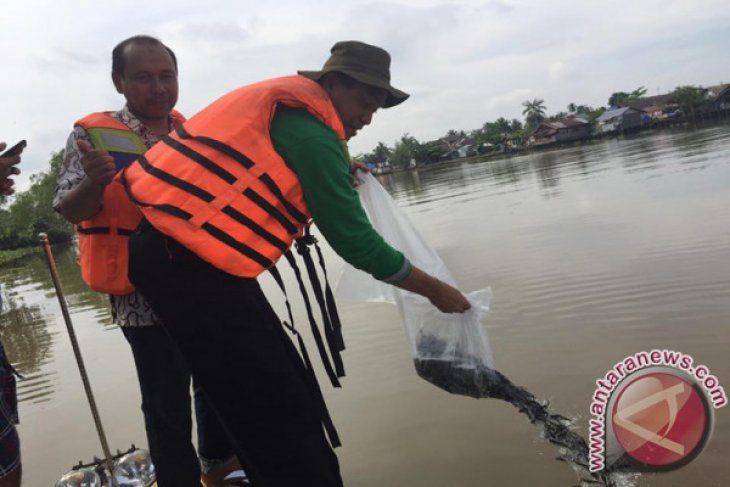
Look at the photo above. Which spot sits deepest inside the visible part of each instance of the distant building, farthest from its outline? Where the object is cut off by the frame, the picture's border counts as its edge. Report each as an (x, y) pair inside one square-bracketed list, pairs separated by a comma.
[(620, 119), (720, 96), (456, 146), (650, 101), (566, 129), (467, 150), (455, 141), (383, 167), (655, 112)]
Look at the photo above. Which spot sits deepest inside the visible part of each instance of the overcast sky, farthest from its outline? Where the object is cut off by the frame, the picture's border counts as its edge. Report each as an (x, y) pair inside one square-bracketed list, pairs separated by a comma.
[(464, 62)]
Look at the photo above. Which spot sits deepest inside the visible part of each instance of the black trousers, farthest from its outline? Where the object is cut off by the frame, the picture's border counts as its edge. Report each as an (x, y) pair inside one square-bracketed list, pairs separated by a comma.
[(242, 360), (164, 381)]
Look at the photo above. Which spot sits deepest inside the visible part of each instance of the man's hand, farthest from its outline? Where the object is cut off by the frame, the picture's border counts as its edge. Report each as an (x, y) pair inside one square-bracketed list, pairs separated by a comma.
[(448, 299), (85, 200), (7, 169), (98, 164), (445, 297), (354, 166)]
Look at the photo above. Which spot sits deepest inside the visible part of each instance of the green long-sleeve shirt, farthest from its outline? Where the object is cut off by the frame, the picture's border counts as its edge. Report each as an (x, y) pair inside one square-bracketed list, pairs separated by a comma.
[(313, 151)]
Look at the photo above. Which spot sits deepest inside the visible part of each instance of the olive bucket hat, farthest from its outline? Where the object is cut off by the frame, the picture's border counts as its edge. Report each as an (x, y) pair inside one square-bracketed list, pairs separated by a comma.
[(363, 62)]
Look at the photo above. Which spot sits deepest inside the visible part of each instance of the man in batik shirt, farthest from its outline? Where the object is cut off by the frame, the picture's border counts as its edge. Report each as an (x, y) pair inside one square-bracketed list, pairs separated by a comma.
[(145, 71)]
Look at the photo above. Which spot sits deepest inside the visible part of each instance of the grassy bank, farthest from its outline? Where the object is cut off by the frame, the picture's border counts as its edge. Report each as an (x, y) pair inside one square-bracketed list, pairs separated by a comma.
[(7, 257)]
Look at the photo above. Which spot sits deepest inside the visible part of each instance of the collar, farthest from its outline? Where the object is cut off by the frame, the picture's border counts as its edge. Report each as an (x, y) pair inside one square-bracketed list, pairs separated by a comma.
[(130, 120)]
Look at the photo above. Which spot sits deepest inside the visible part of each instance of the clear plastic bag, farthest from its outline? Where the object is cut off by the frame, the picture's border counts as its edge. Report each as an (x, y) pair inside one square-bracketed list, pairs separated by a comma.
[(450, 350)]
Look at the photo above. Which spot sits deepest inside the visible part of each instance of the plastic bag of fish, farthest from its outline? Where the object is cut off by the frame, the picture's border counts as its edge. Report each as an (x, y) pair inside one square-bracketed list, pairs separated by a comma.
[(449, 350)]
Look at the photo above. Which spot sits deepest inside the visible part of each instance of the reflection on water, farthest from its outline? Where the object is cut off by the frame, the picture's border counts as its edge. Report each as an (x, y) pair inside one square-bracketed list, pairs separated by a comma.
[(28, 344), (26, 325), (594, 252), (56, 427), (644, 152)]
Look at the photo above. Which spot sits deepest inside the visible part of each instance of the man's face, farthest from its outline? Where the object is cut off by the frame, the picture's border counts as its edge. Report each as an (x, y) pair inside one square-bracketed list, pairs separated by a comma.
[(149, 81), (355, 104)]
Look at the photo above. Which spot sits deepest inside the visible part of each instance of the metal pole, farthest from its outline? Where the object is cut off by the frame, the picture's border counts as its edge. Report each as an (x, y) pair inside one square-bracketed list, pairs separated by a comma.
[(79, 358)]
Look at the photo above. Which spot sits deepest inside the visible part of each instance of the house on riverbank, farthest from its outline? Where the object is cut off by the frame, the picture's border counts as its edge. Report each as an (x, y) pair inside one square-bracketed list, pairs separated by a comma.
[(619, 120), (720, 96), (646, 102), (567, 129)]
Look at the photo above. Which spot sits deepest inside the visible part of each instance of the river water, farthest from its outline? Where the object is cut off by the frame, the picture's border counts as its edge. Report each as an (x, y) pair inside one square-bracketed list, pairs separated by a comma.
[(594, 252)]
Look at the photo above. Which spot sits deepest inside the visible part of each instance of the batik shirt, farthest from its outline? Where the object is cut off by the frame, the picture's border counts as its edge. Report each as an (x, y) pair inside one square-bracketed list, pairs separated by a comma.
[(131, 309)]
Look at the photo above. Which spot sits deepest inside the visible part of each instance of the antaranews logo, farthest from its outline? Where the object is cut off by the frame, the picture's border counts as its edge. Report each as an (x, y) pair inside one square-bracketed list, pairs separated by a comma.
[(653, 411)]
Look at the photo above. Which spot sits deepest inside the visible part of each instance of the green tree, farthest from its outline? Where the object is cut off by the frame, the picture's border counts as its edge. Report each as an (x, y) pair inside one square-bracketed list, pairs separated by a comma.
[(493, 132), (430, 152), (404, 149), (534, 112), (584, 109), (690, 98), (518, 137), (381, 153), (498, 132), (31, 212), (621, 98), (637, 93), (408, 147), (502, 125), (618, 98), (401, 154)]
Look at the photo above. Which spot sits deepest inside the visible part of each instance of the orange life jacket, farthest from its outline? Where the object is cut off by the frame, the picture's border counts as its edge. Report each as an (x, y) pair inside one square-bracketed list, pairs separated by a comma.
[(216, 184), (103, 238)]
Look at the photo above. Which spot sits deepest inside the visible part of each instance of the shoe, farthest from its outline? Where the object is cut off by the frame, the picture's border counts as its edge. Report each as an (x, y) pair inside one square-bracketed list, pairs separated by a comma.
[(236, 479), (218, 475)]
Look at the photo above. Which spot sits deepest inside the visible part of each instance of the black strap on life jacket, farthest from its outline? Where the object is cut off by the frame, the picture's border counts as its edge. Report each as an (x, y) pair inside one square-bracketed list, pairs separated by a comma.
[(207, 197), (214, 231), (335, 346), (229, 178), (246, 163), (313, 323), (310, 376), (103, 231), (327, 307), (329, 298)]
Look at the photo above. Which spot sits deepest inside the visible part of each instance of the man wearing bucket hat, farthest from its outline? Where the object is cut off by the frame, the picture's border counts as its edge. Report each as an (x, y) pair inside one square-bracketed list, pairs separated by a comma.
[(369, 65), (224, 196)]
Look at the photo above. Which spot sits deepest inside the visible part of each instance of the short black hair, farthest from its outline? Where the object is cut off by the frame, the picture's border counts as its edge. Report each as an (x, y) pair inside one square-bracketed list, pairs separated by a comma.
[(118, 60)]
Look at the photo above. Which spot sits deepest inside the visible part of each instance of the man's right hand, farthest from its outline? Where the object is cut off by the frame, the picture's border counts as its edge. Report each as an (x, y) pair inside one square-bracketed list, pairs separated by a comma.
[(85, 200), (445, 297), (98, 164), (448, 299), (7, 169)]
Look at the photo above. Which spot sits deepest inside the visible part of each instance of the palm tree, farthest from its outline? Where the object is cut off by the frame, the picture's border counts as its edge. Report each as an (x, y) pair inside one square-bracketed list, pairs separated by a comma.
[(381, 153), (534, 112), (637, 93), (502, 124), (621, 98)]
